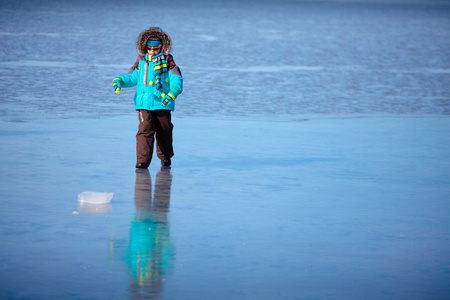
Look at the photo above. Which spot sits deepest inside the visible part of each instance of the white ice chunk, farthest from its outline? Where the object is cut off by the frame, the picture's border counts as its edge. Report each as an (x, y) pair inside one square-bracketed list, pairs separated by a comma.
[(94, 209), (95, 197)]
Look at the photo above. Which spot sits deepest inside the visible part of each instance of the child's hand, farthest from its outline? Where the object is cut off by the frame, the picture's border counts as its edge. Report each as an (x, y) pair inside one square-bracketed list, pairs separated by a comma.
[(166, 100), (117, 84), (172, 95)]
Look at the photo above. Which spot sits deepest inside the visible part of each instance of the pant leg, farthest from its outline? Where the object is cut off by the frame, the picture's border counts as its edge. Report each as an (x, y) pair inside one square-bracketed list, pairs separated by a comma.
[(164, 133), (145, 137), (158, 150)]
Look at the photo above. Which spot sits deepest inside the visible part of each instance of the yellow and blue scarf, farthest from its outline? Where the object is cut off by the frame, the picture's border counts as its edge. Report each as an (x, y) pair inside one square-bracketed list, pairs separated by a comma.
[(159, 67)]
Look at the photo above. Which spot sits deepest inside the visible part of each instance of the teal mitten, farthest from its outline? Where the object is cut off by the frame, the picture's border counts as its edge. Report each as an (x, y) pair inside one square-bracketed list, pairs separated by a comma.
[(172, 95), (117, 84)]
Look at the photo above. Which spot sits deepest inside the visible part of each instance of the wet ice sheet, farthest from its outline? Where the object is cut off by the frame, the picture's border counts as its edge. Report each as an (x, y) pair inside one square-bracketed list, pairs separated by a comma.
[(322, 208), (316, 207)]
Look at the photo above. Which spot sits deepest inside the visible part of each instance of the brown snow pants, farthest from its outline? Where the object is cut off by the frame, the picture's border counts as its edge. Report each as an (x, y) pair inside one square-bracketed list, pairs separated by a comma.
[(151, 122)]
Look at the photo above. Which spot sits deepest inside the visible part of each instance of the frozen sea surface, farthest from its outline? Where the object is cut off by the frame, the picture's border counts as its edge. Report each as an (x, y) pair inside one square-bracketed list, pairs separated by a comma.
[(312, 147), (324, 208)]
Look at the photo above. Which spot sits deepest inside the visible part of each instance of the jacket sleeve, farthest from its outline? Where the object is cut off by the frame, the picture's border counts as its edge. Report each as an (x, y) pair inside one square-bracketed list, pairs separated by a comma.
[(175, 77), (130, 80), (176, 81)]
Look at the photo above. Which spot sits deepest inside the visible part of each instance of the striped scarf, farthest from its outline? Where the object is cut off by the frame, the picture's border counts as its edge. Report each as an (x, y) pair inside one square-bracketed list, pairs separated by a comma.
[(159, 67)]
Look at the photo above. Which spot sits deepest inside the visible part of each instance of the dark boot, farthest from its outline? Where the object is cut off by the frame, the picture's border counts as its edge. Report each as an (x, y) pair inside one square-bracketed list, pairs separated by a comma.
[(166, 163), (141, 166)]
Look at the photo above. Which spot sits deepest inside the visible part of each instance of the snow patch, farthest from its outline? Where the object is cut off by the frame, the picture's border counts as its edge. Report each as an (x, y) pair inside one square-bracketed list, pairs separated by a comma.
[(95, 197)]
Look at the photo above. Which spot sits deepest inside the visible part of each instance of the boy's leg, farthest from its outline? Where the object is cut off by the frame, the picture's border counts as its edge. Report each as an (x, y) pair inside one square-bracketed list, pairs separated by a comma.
[(164, 129), (145, 137), (158, 149)]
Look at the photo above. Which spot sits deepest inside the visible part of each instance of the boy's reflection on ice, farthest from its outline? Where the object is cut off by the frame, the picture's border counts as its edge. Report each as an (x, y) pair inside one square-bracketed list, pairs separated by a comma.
[(150, 253)]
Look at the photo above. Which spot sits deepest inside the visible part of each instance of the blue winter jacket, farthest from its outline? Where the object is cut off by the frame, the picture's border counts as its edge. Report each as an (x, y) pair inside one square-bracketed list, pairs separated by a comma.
[(147, 96)]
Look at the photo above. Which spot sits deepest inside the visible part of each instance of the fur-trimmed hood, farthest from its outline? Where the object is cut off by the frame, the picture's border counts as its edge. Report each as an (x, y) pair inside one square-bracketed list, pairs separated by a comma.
[(153, 32)]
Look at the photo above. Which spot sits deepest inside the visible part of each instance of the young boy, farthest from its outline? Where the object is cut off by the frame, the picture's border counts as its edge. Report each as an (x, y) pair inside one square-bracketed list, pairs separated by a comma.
[(158, 82)]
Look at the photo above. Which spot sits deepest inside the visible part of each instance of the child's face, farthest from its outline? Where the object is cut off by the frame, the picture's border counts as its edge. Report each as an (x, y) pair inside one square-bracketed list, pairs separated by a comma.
[(153, 50)]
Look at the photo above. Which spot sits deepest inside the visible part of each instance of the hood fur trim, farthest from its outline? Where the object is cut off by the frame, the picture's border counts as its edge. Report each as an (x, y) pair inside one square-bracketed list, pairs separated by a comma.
[(153, 33)]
